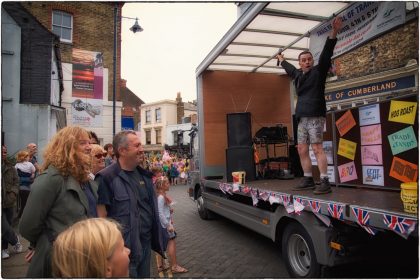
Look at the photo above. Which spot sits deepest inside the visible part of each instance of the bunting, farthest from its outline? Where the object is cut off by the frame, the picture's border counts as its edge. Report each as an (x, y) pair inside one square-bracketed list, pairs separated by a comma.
[(298, 205), (400, 225), (274, 198), (363, 217), (336, 210), (316, 209), (254, 196)]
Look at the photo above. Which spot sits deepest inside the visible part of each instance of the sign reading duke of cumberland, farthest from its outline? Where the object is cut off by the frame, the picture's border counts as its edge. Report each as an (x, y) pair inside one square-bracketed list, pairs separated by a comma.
[(371, 89)]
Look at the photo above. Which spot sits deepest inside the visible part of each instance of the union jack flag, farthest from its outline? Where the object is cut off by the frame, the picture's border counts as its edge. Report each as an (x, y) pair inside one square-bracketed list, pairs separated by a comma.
[(298, 205), (285, 198), (314, 206), (400, 225), (336, 210), (363, 219)]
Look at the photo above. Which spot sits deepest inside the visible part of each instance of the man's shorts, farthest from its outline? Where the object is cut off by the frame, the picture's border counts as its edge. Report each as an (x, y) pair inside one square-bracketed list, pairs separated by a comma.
[(310, 130)]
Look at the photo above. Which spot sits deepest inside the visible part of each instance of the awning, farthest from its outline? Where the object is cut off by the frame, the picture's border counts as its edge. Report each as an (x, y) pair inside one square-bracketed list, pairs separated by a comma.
[(254, 40), (252, 43)]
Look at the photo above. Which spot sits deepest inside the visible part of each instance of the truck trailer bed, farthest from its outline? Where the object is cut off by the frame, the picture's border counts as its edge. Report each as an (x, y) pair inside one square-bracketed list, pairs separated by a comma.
[(382, 206)]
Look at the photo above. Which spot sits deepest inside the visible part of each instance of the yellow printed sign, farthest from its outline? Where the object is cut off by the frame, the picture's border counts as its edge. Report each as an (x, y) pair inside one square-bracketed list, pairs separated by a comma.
[(347, 148), (402, 111)]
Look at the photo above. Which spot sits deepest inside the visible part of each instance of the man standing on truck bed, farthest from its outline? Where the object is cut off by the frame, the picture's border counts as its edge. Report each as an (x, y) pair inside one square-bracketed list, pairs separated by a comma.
[(311, 109)]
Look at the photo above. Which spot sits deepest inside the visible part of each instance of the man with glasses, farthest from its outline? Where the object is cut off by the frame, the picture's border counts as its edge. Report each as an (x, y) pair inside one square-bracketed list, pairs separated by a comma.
[(126, 195)]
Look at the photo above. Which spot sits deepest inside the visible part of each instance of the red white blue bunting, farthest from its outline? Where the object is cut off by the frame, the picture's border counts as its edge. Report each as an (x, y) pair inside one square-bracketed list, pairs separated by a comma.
[(336, 210), (399, 225), (363, 216), (316, 209)]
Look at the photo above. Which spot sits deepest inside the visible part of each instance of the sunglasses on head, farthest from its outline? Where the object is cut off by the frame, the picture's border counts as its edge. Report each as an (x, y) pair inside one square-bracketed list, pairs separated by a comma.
[(99, 156)]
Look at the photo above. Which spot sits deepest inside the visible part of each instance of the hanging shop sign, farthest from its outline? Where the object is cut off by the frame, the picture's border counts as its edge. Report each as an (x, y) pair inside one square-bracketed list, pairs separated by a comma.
[(362, 21)]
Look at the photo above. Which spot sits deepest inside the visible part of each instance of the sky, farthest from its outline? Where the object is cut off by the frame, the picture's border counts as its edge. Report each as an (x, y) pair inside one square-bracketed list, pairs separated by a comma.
[(161, 61)]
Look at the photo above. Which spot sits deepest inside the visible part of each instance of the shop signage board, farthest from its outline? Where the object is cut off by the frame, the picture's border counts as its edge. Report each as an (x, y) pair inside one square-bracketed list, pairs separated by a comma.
[(383, 87), (378, 151)]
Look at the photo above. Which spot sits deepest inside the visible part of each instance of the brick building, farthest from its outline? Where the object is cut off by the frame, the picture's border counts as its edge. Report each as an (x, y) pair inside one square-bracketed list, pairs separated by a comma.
[(86, 31), (131, 103), (390, 58)]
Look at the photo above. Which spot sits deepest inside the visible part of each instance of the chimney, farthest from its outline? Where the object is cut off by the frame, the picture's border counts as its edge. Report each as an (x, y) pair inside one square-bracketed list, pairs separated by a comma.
[(179, 108), (123, 83)]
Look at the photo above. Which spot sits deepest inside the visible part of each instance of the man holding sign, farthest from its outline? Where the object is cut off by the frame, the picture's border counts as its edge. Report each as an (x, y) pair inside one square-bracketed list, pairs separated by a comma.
[(311, 108)]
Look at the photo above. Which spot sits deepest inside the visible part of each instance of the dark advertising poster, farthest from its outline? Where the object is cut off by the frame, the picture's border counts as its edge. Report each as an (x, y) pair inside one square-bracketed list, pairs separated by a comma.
[(87, 94)]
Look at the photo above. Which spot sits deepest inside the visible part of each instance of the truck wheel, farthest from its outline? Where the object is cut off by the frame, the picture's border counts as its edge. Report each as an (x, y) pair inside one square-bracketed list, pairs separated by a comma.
[(298, 253), (202, 211)]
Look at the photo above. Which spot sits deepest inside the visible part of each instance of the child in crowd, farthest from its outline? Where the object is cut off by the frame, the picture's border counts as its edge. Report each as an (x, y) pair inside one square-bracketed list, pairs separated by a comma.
[(91, 248), (26, 172), (165, 217)]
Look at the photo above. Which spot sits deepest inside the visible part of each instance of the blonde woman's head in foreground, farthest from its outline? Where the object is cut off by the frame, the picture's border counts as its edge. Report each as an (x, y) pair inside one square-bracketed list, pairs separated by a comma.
[(92, 248)]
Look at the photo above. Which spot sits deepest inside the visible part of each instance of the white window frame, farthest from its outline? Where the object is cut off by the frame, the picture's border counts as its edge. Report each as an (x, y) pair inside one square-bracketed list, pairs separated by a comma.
[(160, 115), (158, 134), (148, 132), (148, 116), (61, 26)]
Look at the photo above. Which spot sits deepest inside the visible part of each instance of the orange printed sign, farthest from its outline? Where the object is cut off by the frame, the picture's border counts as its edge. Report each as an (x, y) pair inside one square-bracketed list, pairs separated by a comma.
[(345, 123), (403, 170)]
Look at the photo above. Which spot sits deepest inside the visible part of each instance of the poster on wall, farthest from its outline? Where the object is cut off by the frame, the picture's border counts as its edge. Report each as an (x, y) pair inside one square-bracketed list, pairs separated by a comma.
[(402, 140), (347, 172), (369, 115), (86, 112), (402, 112), (347, 148), (87, 74), (87, 91), (373, 175), (372, 155), (371, 135), (362, 21), (328, 150), (403, 170), (345, 123)]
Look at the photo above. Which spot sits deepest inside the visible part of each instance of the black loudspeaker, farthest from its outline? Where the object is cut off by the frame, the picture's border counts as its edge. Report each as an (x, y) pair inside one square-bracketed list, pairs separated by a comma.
[(240, 159), (239, 129)]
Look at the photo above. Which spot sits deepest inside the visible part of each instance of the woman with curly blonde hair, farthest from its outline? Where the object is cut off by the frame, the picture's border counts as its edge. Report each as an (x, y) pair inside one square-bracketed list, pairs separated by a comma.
[(60, 196), (92, 248)]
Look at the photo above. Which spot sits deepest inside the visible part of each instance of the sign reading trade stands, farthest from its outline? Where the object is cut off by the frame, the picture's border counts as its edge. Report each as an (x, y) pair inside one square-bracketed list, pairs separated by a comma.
[(371, 89)]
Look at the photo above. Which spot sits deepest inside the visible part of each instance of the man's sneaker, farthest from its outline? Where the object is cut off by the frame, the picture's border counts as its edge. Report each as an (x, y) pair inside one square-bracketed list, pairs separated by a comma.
[(18, 246), (323, 187), (5, 254), (305, 183)]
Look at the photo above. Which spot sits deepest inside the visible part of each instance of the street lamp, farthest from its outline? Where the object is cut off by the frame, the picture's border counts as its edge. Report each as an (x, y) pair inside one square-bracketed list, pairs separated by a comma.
[(135, 28)]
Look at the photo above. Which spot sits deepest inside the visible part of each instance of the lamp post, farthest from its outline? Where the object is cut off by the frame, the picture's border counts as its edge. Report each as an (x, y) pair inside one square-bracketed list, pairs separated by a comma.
[(135, 28)]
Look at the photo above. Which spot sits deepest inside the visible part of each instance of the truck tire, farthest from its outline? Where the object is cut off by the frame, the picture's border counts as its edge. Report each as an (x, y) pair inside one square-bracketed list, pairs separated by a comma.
[(203, 212), (298, 252)]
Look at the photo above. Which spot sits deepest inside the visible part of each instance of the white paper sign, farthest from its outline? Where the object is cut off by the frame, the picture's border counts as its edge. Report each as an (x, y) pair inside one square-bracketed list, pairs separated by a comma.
[(87, 112), (331, 173), (369, 115), (373, 175)]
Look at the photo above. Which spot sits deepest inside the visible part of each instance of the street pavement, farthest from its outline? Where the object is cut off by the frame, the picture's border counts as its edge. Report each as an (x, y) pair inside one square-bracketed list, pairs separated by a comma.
[(208, 249)]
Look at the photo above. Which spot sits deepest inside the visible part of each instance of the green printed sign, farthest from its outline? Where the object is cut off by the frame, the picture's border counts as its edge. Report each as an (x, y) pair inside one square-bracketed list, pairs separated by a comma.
[(402, 140)]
